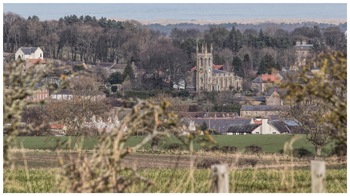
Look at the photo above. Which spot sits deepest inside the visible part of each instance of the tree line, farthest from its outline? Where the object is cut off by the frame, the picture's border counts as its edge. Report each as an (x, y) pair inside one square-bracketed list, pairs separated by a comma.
[(162, 56)]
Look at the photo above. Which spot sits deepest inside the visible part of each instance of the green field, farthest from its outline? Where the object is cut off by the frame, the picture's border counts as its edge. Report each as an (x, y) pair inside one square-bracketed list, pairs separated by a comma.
[(269, 143), (169, 180)]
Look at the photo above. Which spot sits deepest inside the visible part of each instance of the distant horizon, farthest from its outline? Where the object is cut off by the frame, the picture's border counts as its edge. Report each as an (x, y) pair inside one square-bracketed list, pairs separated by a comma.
[(203, 13)]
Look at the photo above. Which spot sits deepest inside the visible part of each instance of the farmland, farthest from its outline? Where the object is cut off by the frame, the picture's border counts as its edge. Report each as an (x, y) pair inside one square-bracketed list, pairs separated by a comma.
[(269, 143), (169, 180), (36, 165)]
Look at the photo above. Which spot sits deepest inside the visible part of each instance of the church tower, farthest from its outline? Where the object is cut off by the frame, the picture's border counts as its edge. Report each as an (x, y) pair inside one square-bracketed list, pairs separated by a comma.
[(204, 68)]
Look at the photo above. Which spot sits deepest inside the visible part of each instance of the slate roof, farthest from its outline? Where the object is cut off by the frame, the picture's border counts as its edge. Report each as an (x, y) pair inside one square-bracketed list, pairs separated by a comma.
[(106, 64), (28, 50), (118, 66), (242, 128), (257, 80), (246, 98), (264, 107), (280, 91), (280, 126), (220, 124), (304, 46), (215, 71), (63, 92)]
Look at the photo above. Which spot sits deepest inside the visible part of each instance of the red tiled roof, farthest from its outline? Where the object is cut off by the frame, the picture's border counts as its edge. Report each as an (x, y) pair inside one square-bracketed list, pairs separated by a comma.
[(217, 67), (36, 61), (270, 78), (56, 126)]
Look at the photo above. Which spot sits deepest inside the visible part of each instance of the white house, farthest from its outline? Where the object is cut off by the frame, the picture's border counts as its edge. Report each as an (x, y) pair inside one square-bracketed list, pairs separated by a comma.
[(180, 85), (25, 53), (63, 94), (260, 126)]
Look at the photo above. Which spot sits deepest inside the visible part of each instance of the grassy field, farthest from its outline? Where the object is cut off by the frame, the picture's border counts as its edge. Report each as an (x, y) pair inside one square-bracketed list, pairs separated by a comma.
[(169, 180), (269, 143)]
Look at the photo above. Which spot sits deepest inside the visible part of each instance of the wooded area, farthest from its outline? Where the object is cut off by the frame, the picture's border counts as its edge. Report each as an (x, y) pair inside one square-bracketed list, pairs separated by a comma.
[(93, 40)]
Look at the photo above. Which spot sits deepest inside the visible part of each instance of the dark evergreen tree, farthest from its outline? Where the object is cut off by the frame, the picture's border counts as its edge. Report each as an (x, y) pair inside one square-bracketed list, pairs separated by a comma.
[(128, 71), (237, 66), (246, 65), (266, 65), (204, 126), (115, 78)]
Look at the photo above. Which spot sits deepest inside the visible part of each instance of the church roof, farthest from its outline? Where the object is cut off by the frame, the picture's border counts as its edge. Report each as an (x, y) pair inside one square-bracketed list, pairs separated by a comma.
[(215, 67), (215, 71)]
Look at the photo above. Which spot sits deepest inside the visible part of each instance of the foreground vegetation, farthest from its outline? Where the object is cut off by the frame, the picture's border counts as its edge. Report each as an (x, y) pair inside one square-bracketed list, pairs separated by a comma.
[(269, 143), (179, 180)]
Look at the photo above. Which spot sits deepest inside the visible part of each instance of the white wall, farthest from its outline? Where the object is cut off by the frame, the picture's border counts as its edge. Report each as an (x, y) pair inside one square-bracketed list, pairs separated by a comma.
[(267, 128), (37, 54)]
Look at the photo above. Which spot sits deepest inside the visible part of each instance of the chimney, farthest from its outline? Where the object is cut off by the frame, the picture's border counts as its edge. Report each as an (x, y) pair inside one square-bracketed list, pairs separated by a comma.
[(264, 127)]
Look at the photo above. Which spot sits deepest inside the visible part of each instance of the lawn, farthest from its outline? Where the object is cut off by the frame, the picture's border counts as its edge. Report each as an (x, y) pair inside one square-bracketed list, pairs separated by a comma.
[(269, 143)]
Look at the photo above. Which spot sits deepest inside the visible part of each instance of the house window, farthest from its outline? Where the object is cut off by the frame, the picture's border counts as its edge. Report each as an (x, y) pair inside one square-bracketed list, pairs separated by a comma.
[(273, 132)]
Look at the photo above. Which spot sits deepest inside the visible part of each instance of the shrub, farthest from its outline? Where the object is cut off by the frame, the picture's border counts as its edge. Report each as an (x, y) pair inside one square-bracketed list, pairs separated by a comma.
[(173, 146), (253, 149), (302, 152), (193, 108), (215, 148), (183, 93), (340, 150), (228, 149), (207, 163)]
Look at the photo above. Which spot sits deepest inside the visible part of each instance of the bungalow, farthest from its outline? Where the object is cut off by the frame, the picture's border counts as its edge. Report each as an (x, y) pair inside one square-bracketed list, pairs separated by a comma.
[(265, 127)]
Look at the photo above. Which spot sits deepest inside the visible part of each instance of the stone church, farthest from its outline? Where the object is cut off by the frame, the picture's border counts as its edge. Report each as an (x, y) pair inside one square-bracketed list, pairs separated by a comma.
[(206, 76)]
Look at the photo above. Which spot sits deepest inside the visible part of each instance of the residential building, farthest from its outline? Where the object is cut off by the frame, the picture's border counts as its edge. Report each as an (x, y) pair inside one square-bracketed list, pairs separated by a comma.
[(265, 126), (265, 81), (24, 53), (63, 94), (263, 111), (38, 95)]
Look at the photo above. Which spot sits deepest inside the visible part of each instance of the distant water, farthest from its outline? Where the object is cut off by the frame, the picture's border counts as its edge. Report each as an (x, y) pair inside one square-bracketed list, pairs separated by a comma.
[(182, 11)]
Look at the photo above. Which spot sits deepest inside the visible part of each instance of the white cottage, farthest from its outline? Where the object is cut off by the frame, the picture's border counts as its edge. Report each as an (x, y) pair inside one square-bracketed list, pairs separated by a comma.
[(24, 53)]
